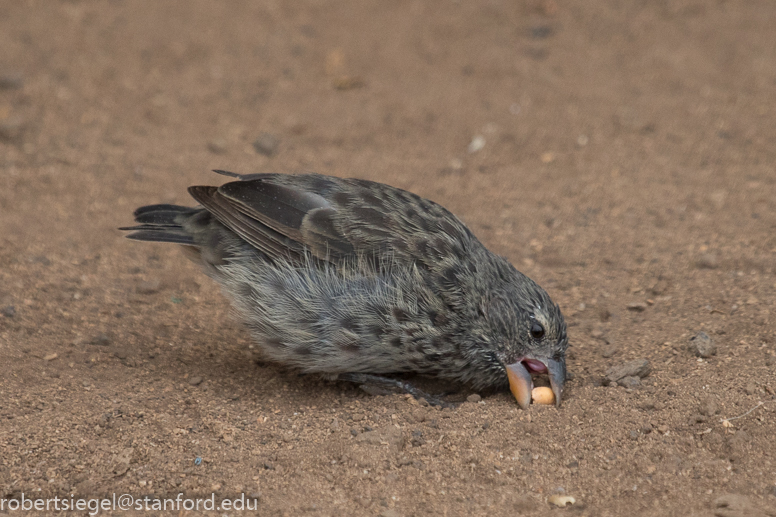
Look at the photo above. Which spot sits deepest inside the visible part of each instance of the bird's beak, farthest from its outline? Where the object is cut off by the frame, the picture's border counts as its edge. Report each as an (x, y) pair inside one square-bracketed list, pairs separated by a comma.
[(521, 384), (557, 374)]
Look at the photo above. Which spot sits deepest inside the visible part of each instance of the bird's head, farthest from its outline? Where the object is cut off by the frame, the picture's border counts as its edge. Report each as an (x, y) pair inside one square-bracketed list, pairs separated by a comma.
[(526, 334)]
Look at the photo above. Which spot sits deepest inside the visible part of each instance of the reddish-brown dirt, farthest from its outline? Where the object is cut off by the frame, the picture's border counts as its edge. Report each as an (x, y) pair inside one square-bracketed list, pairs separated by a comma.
[(619, 153)]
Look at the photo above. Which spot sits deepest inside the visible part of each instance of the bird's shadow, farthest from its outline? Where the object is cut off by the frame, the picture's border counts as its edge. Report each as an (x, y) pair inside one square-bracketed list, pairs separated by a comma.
[(260, 379)]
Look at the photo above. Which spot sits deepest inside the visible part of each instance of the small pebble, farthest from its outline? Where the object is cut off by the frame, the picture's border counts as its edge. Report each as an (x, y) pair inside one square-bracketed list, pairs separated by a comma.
[(636, 368), (609, 351), (630, 382), (267, 144), (561, 500), (708, 407), (707, 261), (477, 144), (647, 405), (148, 287), (455, 165), (417, 439), (659, 287), (702, 345), (217, 146), (195, 381), (101, 340), (473, 398), (637, 306)]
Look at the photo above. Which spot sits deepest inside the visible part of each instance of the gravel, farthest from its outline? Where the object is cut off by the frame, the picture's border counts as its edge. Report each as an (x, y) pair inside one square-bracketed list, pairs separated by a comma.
[(702, 345)]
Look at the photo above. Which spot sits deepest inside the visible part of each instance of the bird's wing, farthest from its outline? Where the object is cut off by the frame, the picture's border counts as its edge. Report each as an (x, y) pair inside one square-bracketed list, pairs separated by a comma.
[(333, 218)]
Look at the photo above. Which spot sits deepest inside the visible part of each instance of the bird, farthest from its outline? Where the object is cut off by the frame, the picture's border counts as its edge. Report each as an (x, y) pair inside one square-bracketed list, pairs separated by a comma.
[(358, 281)]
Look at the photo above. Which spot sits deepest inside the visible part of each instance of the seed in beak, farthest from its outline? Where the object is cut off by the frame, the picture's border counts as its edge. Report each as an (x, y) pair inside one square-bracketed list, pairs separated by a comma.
[(543, 395)]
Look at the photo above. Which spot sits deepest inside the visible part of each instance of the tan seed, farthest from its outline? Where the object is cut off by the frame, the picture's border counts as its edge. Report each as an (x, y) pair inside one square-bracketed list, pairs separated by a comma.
[(543, 395)]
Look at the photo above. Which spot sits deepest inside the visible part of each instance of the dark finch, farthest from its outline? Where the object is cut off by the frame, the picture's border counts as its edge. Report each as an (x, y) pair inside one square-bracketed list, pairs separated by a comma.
[(359, 279)]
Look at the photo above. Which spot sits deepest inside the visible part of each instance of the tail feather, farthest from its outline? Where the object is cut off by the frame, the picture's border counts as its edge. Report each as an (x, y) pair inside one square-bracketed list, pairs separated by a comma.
[(151, 227), (160, 217), (244, 177), (162, 223), (162, 236), (164, 207)]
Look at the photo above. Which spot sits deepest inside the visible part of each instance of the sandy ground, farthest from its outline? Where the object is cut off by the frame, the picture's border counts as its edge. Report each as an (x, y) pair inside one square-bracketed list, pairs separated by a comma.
[(620, 153)]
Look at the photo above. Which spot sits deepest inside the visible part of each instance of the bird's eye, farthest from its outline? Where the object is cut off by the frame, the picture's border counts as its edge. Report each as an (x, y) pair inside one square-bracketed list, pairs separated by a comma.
[(537, 331)]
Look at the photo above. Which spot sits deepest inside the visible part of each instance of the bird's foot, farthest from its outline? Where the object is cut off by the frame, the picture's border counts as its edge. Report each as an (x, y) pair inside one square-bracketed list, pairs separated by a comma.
[(368, 380)]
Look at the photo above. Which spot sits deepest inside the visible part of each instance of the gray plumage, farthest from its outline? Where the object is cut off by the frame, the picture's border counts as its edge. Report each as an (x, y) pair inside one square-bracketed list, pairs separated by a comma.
[(340, 276)]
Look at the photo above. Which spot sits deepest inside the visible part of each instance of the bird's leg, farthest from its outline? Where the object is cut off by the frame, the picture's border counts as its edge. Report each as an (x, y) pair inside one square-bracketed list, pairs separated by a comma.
[(388, 383)]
